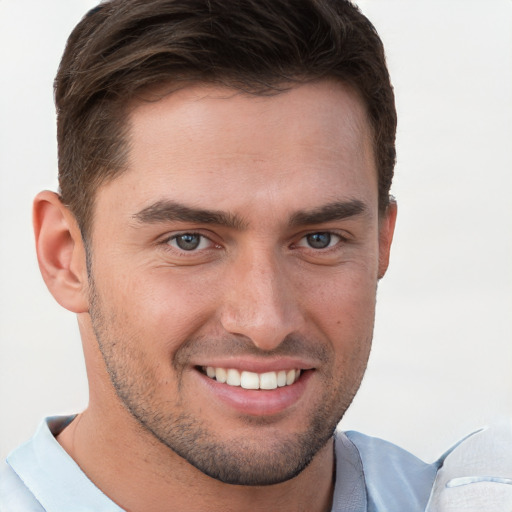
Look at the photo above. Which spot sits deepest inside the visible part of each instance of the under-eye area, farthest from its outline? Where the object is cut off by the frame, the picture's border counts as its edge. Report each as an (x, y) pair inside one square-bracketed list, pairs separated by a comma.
[(252, 380)]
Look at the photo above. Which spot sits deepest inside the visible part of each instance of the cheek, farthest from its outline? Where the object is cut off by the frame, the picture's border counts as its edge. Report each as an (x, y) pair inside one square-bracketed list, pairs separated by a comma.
[(343, 297), (343, 309), (161, 308)]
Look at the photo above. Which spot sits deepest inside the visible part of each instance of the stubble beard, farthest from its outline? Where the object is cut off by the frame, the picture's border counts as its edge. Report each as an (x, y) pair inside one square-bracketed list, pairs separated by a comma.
[(239, 460)]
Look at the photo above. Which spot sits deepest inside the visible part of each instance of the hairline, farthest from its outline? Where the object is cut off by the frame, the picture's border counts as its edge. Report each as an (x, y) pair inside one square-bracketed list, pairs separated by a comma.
[(163, 89)]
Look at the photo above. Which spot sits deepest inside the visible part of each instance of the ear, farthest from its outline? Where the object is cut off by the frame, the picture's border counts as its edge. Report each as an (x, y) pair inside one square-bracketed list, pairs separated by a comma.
[(387, 223), (60, 252)]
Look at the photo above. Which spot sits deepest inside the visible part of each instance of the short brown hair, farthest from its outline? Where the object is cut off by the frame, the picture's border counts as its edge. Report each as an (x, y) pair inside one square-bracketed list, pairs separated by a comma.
[(122, 47)]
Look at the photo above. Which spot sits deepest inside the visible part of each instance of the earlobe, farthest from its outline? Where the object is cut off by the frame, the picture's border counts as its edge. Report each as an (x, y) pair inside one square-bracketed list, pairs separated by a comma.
[(60, 252), (386, 231)]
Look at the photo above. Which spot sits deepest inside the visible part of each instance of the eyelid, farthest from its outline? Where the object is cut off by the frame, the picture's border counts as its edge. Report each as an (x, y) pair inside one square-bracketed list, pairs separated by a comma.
[(165, 240), (202, 240), (332, 242), (342, 236)]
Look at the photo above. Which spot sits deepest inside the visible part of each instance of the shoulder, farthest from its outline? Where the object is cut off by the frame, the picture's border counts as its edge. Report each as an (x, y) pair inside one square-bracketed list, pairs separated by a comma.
[(394, 478), (14, 495), (477, 473), (40, 475), (26, 465), (474, 474)]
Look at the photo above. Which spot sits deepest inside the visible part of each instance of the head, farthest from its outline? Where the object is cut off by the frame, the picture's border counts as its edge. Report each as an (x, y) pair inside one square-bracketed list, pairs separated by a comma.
[(224, 214), (124, 51)]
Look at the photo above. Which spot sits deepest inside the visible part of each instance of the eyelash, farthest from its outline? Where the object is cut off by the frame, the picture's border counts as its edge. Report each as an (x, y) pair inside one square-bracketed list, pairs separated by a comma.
[(201, 236), (212, 245), (331, 236)]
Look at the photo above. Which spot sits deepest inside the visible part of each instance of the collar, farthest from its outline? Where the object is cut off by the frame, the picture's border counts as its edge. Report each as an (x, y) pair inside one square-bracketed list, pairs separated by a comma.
[(52, 476), (59, 484)]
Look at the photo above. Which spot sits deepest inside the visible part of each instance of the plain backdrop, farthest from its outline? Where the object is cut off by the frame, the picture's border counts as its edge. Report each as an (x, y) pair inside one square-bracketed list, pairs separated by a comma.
[(442, 357)]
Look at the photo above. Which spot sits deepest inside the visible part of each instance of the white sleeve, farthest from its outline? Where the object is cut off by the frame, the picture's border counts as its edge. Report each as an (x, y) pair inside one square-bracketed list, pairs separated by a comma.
[(477, 475)]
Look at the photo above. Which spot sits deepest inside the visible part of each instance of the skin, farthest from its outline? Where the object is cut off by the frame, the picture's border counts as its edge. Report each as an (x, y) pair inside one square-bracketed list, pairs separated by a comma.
[(253, 295)]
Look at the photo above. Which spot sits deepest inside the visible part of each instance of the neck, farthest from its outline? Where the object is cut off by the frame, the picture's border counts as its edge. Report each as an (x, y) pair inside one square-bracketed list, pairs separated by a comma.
[(141, 475)]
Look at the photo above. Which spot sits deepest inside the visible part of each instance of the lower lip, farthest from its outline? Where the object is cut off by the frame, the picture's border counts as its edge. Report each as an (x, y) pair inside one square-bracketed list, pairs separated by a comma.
[(257, 402)]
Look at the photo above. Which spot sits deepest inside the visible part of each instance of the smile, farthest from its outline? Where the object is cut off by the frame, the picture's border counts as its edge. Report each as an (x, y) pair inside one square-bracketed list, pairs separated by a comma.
[(252, 380)]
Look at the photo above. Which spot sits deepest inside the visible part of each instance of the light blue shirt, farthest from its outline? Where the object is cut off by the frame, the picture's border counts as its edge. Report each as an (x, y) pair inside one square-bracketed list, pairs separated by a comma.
[(371, 476)]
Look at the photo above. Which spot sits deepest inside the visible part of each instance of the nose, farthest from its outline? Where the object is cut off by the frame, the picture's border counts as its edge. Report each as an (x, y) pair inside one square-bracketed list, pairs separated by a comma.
[(260, 303)]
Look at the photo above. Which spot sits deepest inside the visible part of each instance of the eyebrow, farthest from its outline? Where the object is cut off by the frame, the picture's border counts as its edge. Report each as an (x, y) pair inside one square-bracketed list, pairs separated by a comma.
[(165, 211), (338, 210)]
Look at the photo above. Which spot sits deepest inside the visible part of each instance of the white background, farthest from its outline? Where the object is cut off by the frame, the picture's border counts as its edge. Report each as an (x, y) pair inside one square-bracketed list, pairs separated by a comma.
[(442, 358)]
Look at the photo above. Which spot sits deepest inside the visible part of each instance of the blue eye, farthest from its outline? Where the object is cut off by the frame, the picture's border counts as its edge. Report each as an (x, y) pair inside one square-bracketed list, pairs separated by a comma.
[(319, 240), (189, 241)]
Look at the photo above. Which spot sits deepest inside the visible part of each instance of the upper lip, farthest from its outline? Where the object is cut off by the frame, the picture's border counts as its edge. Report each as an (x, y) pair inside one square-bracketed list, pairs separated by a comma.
[(251, 364)]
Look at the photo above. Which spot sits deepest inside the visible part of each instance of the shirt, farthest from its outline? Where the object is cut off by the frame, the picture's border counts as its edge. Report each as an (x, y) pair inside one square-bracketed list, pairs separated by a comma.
[(372, 475)]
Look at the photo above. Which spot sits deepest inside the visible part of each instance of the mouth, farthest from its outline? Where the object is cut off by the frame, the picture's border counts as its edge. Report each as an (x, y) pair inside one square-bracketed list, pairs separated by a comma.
[(252, 380), (257, 389)]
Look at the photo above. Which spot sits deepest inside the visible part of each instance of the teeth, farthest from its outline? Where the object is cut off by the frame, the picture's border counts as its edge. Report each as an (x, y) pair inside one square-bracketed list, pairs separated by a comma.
[(251, 380), (233, 377), (290, 377), (220, 374), (269, 380)]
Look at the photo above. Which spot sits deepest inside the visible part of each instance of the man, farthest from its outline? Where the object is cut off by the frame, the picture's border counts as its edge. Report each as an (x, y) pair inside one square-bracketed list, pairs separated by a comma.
[(222, 223)]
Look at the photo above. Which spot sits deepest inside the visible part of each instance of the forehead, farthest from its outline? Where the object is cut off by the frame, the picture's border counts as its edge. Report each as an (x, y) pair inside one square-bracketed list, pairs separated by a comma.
[(215, 145)]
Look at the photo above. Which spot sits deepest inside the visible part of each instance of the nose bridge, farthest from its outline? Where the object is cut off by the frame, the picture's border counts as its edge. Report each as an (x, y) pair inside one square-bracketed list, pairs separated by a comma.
[(259, 300)]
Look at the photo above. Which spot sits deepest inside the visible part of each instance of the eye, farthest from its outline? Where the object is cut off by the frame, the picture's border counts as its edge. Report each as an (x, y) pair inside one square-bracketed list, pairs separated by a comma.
[(189, 241), (321, 240)]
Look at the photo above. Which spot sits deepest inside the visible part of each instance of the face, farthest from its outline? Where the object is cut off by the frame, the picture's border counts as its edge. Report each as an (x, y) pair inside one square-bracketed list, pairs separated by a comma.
[(234, 267)]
